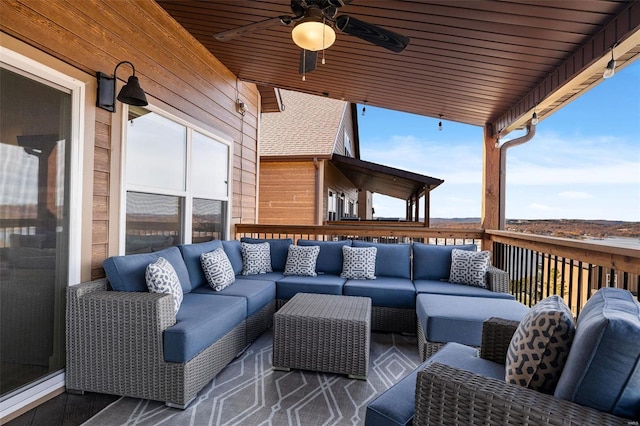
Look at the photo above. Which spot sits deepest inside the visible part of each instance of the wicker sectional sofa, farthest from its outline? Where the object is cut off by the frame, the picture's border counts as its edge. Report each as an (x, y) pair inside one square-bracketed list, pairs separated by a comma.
[(124, 340)]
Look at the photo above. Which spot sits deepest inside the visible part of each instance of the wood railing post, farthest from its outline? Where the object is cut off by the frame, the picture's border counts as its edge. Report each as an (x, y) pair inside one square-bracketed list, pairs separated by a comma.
[(490, 185)]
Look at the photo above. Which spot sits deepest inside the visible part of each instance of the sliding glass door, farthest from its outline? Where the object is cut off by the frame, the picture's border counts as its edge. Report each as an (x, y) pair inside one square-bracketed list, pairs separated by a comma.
[(35, 150)]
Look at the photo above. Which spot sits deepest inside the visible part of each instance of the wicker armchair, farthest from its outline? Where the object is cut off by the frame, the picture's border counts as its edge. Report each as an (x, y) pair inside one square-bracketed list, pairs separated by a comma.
[(449, 396), (114, 346)]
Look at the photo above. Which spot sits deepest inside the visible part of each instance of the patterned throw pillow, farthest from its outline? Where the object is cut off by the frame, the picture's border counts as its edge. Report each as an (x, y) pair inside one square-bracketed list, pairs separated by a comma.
[(162, 278), (540, 346), (301, 260), (256, 258), (359, 263), (469, 267), (217, 269)]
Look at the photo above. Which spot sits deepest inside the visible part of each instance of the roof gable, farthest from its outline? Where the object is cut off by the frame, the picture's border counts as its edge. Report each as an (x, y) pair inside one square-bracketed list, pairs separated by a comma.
[(308, 125)]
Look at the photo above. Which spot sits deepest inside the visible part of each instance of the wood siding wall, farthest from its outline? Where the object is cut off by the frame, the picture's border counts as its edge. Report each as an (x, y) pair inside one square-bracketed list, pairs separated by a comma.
[(337, 182), (176, 72), (287, 192)]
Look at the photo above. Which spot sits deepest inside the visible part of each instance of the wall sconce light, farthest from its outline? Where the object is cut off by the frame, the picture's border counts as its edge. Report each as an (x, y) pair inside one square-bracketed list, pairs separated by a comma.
[(610, 70), (131, 93), (312, 33)]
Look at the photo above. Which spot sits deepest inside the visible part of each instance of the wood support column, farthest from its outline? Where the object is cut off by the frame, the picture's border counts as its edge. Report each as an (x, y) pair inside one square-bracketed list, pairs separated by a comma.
[(490, 184)]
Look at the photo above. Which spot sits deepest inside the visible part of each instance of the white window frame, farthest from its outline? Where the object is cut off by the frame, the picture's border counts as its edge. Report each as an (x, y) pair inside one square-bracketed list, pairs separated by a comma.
[(347, 145), (44, 74), (187, 193)]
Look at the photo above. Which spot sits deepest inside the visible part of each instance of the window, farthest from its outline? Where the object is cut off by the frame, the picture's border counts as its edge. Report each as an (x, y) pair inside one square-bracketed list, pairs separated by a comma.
[(331, 206), (347, 145), (176, 183)]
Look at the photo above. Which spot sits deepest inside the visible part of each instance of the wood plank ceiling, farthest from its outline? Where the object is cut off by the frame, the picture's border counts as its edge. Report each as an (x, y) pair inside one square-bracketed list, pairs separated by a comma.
[(471, 61)]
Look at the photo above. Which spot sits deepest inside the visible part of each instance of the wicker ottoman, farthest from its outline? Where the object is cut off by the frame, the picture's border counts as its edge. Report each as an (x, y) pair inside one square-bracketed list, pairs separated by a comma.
[(323, 332)]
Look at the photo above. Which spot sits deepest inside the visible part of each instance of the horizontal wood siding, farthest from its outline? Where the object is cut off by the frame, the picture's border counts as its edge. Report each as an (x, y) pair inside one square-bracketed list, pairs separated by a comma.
[(337, 182), (287, 192), (173, 69)]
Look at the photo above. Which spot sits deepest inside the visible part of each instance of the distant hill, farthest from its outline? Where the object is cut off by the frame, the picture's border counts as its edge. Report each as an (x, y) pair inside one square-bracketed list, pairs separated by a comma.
[(566, 228)]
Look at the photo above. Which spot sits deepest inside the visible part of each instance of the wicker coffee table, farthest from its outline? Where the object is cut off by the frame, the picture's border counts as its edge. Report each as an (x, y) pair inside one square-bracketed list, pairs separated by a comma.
[(323, 332)]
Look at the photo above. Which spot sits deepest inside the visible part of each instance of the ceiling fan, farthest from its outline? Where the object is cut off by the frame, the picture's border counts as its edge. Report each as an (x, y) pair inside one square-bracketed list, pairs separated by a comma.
[(315, 21)]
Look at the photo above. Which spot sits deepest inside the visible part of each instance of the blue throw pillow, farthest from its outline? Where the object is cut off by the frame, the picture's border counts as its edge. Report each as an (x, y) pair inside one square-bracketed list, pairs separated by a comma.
[(233, 249), (433, 262), (603, 367), (330, 256), (392, 260), (127, 273), (191, 255), (279, 248)]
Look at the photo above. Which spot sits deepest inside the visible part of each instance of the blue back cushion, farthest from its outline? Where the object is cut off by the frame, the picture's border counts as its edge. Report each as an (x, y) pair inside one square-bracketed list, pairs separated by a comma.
[(603, 367), (191, 255), (279, 249), (330, 256), (234, 253), (433, 262), (126, 273), (392, 260)]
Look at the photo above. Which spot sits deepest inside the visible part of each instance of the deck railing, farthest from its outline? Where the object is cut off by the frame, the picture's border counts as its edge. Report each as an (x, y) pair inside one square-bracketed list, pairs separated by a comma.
[(382, 233), (538, 266), (541, 266)]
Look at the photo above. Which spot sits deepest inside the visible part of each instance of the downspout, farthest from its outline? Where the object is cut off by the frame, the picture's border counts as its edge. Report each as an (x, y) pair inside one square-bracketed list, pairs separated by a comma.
[(317, 197), (531, 131)]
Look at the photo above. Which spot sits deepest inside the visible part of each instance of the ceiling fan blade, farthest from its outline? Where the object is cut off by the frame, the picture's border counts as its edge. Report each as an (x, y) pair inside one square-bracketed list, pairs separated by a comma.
[(372, 33), (256, 26), (308, 61)]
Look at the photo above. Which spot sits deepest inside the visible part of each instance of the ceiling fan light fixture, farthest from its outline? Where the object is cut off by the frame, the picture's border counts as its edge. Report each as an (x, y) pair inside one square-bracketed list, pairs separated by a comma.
[(313, 34)]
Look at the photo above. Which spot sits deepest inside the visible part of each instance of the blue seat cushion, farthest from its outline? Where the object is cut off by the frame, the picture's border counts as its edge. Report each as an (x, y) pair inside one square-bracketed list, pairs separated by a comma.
[(259, 293), (453, 289), (279, 248), (126, 273), (603, 367), (433, 262), (201, 321), (330, 256), (396, 406), (459, 319), (233, 249), (191, 255), (392, 260), (391, 292), (291, 285), (267, 276)]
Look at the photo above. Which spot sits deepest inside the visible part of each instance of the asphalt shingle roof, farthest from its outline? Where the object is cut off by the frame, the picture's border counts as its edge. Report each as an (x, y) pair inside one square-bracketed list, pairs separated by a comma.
[(307, 126)]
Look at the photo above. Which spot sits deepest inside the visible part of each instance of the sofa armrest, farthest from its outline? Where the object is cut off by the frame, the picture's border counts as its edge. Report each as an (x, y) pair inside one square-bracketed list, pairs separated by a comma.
[(497, 280), (448, 396), (496, 338), (111, 332)]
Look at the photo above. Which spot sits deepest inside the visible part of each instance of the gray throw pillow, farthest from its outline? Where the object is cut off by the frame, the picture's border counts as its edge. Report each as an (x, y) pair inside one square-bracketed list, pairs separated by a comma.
[(359, 263), (256, 258), (469, 267), (301, 260), (162, 278), (540, 346), (217, 269)]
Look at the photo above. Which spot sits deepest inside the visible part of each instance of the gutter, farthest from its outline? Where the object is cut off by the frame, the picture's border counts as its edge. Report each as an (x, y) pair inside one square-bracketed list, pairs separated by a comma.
[(531, 131)]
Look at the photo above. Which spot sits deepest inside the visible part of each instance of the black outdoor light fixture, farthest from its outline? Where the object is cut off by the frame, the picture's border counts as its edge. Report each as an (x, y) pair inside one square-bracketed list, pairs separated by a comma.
[(131, 93)]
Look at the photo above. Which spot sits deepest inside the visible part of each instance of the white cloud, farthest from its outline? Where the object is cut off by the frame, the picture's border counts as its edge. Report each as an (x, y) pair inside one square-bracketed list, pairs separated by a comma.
[(541, 207), (552, 176)]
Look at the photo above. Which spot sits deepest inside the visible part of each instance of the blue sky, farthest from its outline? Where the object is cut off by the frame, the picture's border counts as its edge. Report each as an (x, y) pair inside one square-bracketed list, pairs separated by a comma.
[(583, 163)]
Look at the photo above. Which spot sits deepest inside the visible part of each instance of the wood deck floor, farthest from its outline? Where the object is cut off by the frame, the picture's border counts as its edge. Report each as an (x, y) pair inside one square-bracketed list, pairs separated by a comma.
[(65, 410)]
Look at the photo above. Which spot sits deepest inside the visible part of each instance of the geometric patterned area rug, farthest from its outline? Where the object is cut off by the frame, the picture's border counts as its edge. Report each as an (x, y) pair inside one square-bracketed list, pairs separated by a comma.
[(249, 392)]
